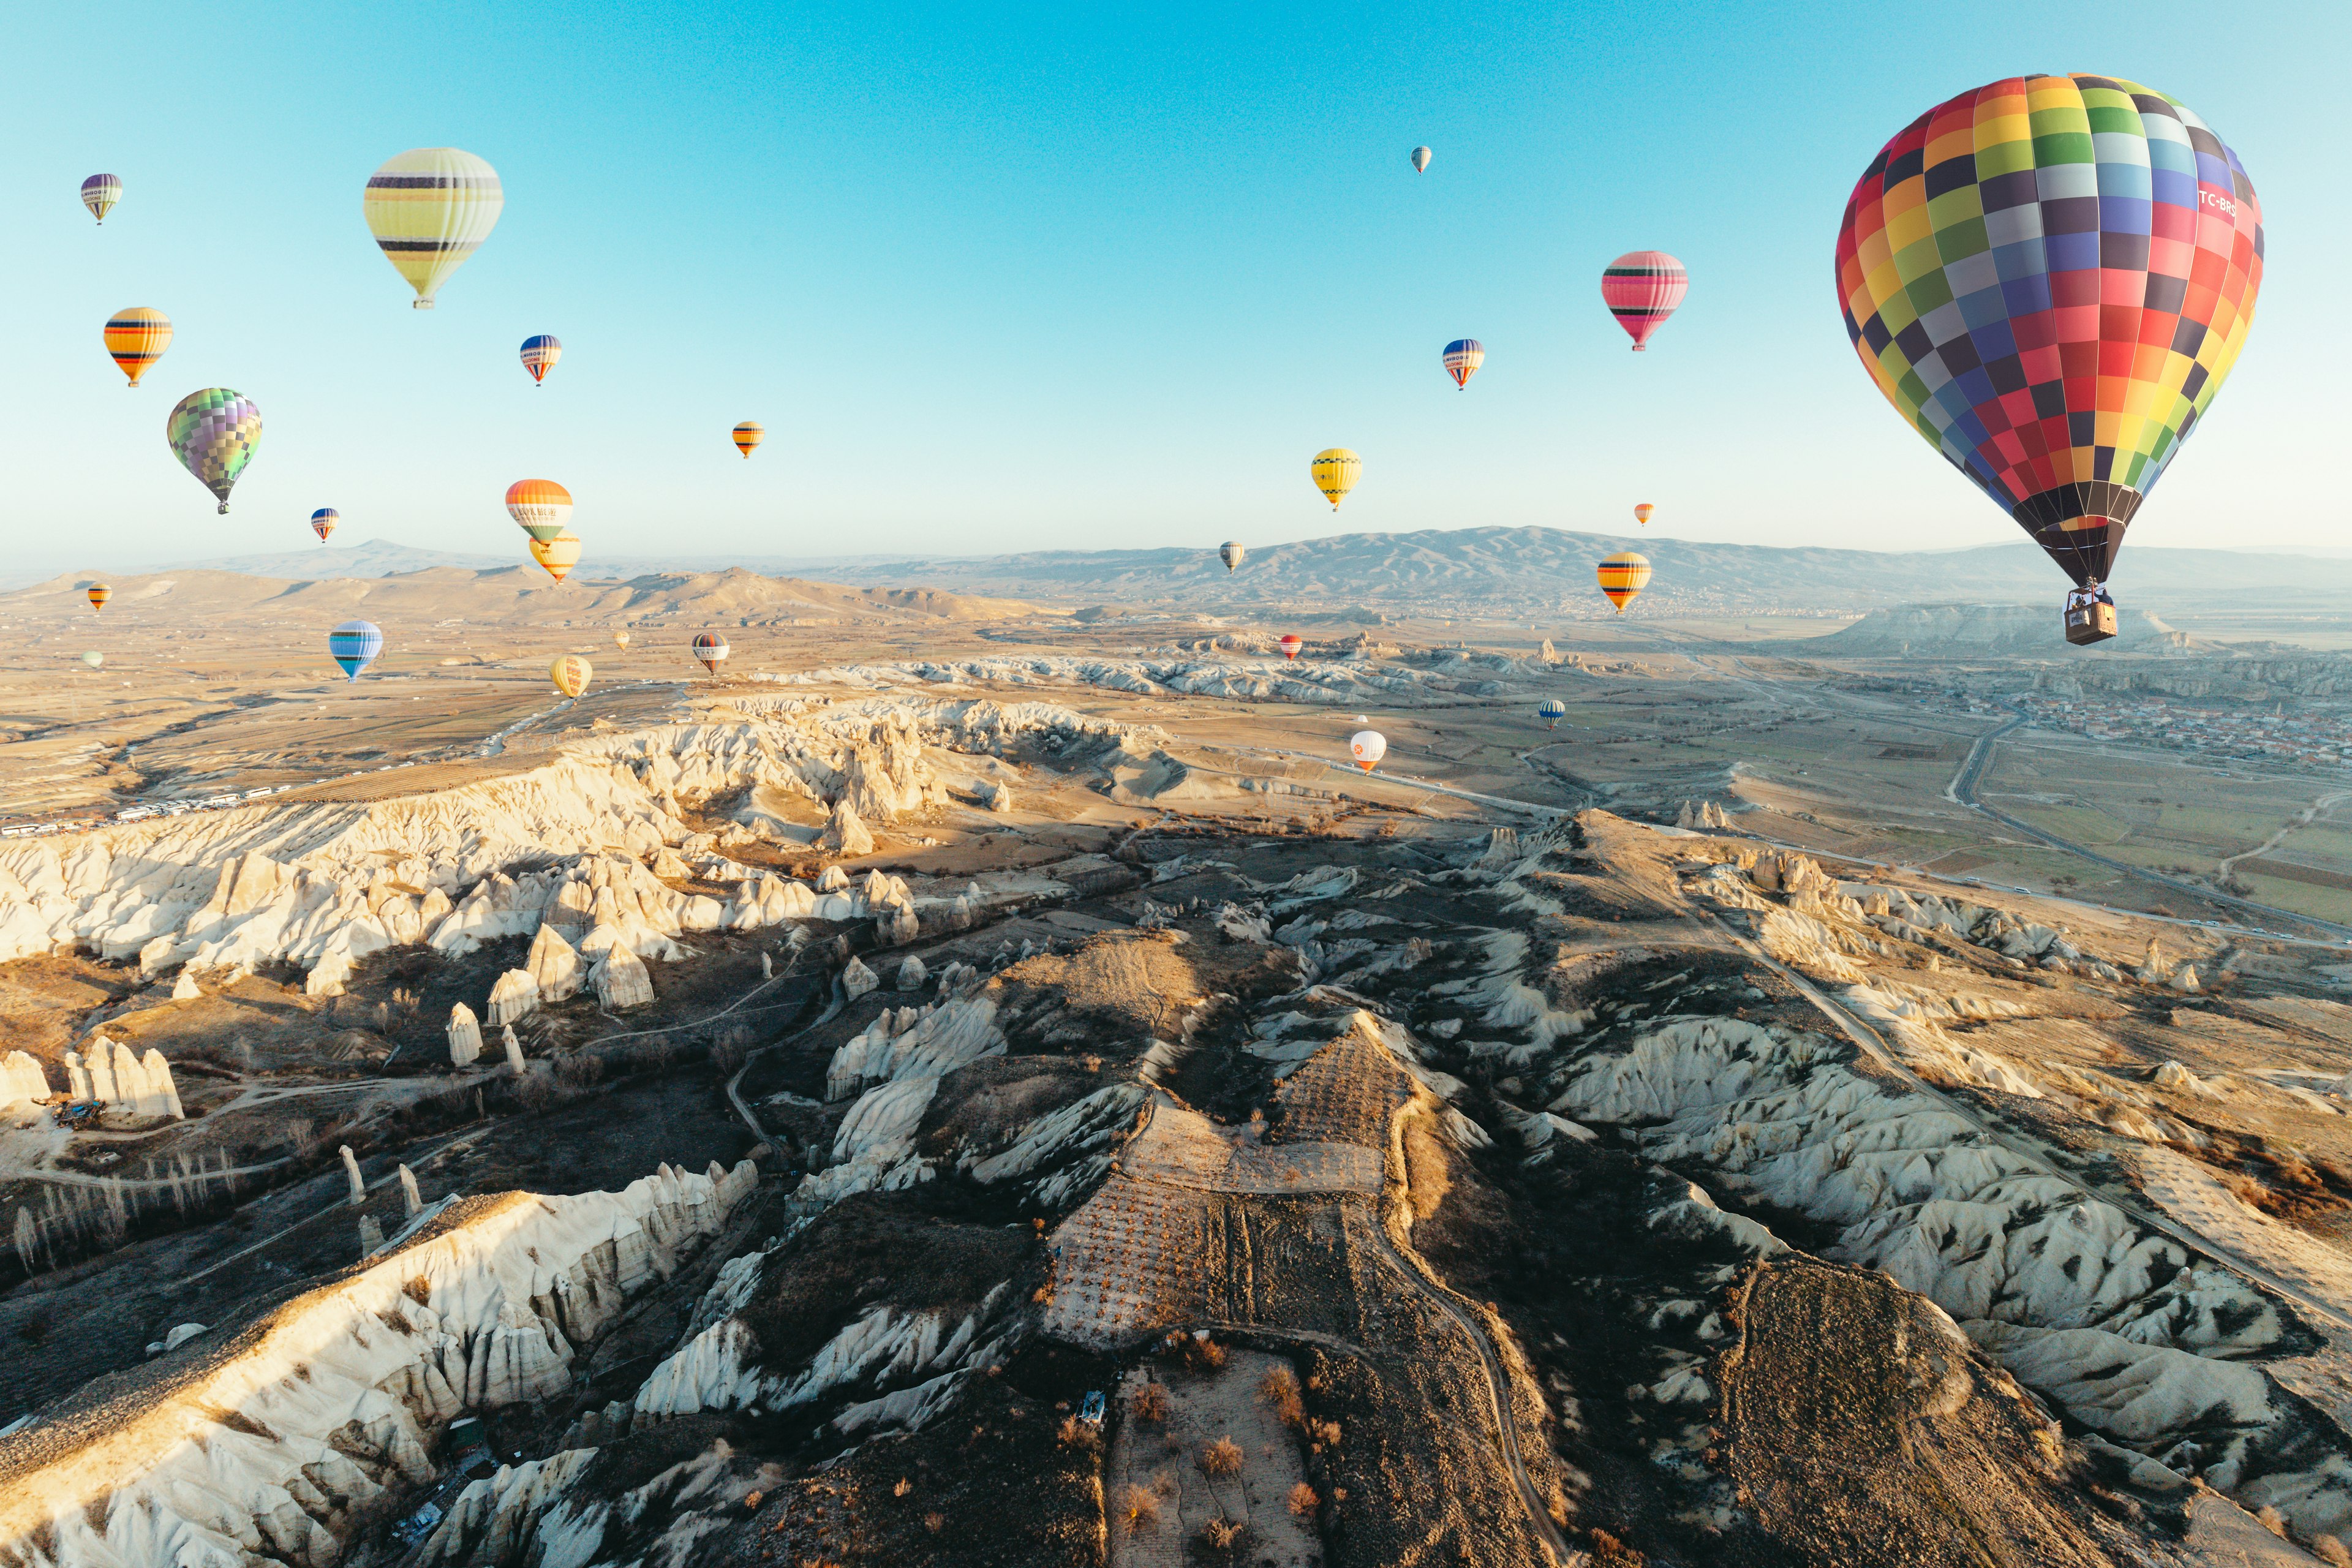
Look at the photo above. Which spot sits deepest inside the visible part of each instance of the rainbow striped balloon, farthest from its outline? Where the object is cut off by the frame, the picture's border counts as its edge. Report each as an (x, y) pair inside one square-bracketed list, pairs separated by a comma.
[(137, 336), (1623, 577), (1463, 358), (711, 649), (540, 355), (1641, 289)]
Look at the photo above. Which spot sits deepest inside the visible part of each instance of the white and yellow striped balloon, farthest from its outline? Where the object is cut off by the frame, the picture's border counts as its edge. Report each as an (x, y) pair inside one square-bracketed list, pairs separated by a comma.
[(429, 209)]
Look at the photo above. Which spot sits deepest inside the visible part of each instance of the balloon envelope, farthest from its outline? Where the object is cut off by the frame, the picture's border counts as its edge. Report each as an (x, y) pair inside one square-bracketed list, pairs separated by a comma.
[(429, 209), (1462, 359), (540, 355), (748, 435), (1335, 470), (214, 433), (1420, 160), (323, 520), (570, 674), (99, 193), (621, 637), (711, 649), (93, 658), (137, 336), (2049, 277), (1232, 553), (557, 556), (1290, 644), (1641, 289), (1551, 710), (1623, 577), (540, 507), (99, 594), (1643, 512), (354, 646), (1367, 747)]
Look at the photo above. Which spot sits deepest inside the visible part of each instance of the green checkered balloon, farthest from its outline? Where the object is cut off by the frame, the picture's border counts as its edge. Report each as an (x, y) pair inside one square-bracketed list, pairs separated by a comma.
[(214, 433)]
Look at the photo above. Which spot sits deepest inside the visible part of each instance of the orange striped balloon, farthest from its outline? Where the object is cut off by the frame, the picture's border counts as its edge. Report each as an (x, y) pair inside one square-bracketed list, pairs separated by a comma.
[(1643, 512), (1623, 576), (99, 594), (540, 507), (137, 337), (748, 435)]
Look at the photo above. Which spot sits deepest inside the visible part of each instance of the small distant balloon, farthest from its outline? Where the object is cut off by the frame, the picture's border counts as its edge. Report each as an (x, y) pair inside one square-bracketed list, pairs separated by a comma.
[(748, 435), (354, 645), (99, 594), (540, 355), (1421, 160), (1367, 747), (99, 193), (711, 649), (621, 637), (214, 433), (429, 209), (540, 507), (1641, 289), (93, 658), (1551, 710), (137, 336), (1462, 359), (323, 520), (1335, 470), (570, 674), (1623, 577), (1643, 512), (1290, 644), (559, 555), (1232, 553)]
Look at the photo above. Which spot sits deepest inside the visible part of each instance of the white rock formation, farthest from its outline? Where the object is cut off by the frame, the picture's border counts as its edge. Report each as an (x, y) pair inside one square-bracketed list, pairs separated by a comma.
[(555, 968), (856, 980), (185, 989), (832, 879), (912, 974), (110, 1074), (410, 1203), (21, 1078), (515, 996), (465, 1035), (621, 979), (515, 1063), (911, 1045), (846, 832)]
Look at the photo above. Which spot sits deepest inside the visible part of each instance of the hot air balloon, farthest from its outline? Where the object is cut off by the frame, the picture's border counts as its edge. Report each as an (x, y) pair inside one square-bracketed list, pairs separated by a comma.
[(1641, 289), (93, 658), (540, 355), (711, 649), (323, 520), (2050, 278), (213, 433), (1290, 644), (1367, 747), (1551, 710), (1334, 470), (1642, 512), (429, 209), (137, 336), (540, 507), (558, 555), (748, 435), (354, 645), (621, 637), (570, 674), (1232, 553), (1421, 160), (1623, 578), (99, 594), (99, 193), (1462, 360)]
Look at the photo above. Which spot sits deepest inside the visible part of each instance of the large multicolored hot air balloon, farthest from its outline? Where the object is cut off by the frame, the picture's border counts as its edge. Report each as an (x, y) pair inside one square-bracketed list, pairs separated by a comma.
[(1290, 644), (1641, 289), (1233, 554), (621, 637), (137, 336), (1421, 160), (540, 507), (93, 658), (559, 555), (1551, 710), (711, 649), (429, 209), (1642, 512), (1335, 470), (540, 355), (1623, 577), (1367, 747), (748, 435), (1462, 359), (99, 594), (570, 674), (99, 193), (354, 645), (213, 433), (2049, 277), (323, 520)]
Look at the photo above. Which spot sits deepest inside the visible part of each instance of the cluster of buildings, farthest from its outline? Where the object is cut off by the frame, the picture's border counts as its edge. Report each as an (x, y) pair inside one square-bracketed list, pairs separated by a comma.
[(2319, 740)]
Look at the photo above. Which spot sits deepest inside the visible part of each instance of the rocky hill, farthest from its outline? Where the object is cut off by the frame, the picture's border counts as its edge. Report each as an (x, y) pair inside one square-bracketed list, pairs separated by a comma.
[(1974, 631)]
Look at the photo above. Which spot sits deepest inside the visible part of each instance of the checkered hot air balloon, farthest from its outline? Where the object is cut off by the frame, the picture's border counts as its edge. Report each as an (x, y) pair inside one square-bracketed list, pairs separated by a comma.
[(2050, 278), (1462, 357), (1641, 289), (354, 645), (99, 193), (136, 336), (1623, 577), (540, 507), (540, 355), (429, 209), (214, 433), (711, 649), (323, 520)]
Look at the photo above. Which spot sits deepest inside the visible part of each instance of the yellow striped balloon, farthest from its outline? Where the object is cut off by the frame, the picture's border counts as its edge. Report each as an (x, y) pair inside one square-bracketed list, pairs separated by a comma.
[(99, 594), (748, 435), (137, 336), (1336, 470), (570, 674), (621, 639), (429, 209), (1623, 576), (557, 555)]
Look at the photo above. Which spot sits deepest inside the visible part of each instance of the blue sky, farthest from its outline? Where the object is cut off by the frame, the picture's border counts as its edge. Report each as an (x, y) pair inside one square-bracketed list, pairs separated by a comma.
[(1057, 276)]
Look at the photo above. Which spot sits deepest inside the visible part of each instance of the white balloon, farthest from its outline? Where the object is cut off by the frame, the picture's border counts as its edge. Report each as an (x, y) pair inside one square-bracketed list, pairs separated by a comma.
[(1367, 747)]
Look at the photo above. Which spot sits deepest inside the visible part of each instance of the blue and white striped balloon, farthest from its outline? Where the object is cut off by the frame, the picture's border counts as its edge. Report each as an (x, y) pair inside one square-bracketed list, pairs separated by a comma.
[(354, 646)]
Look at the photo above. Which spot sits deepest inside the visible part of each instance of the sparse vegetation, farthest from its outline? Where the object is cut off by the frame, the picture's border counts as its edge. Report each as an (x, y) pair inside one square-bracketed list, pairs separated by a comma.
[(1150, 1402), (1222, 1458), (1279, 1388), (1303, 1500), (1139, 1510)]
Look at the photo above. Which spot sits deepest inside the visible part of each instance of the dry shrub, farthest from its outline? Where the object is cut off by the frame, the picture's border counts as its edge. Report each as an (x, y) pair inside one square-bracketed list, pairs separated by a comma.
[(418, 1289), (1139, 1510), (1303, 1500), (2270, 1519), (578, 1069), (1279, 1388), (1222, 1458), (1220, 1534), (903, 1488), (1213, 1354), (1075, 1431), (1610, 1550), (537, 1092), (1152, 1402), (1324, 1432), (2330, 1550), (934, 1521)]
